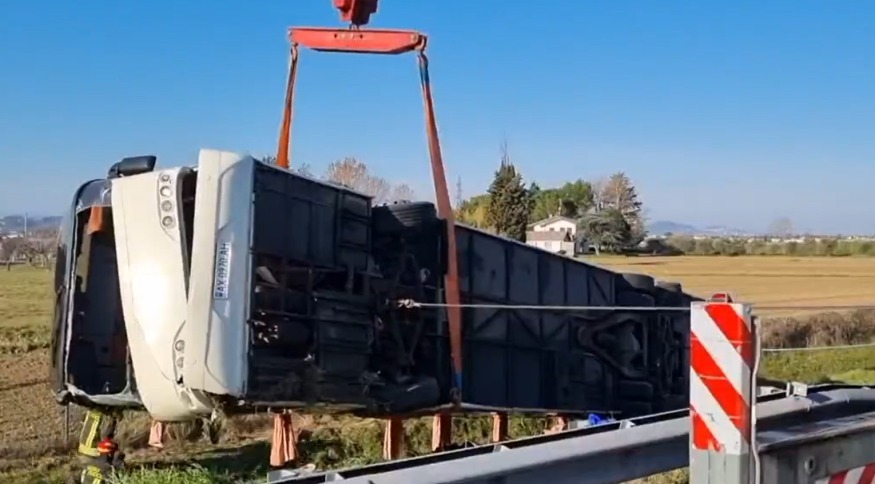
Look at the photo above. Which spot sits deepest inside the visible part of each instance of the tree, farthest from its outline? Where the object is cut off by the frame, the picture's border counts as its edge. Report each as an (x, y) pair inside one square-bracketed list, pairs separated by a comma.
[(12, 247), (543, 202), (619, 193), (473, 211), (354, 174), (402, 192), (576, 198), (684, 244), (781, 227), (510, 202), (302, 169), (599, 190), (606, 229), (572, 200)]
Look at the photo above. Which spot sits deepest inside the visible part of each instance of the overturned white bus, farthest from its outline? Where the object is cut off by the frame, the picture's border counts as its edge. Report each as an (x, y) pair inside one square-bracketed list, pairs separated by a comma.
[(239, 285)]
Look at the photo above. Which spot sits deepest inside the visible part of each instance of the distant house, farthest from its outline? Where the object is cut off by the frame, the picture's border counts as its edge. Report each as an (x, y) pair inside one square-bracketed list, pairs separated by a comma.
[(554, 234), (555, 224)]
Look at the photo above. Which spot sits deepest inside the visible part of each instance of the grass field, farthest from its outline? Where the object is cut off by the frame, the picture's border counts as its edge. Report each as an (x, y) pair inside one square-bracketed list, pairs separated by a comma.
[(766, 281), (32, 447)]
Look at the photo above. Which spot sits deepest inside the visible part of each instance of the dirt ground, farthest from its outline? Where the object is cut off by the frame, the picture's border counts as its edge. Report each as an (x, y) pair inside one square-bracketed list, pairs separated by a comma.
[(24, 395), (32, 441), (33, 445)]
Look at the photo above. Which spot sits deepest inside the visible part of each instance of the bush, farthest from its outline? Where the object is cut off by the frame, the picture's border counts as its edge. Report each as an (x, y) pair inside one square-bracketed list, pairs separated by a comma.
[(660, 248), (850, 365), (824, 329)]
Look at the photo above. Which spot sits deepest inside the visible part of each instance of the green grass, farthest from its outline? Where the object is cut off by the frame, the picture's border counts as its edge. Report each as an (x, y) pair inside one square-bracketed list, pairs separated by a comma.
[(18, 340), (337, 442), (359, 442), (855, 366), (37, 475), (25, 297), (191, 474), (25, 309)]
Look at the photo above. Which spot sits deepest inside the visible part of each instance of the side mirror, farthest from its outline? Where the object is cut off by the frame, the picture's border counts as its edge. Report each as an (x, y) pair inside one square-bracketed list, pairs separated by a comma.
[(133, 165)]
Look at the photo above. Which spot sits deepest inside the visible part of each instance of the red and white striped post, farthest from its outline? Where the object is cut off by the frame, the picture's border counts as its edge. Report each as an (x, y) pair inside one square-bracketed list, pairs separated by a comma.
[(722, 391), (857, 475)]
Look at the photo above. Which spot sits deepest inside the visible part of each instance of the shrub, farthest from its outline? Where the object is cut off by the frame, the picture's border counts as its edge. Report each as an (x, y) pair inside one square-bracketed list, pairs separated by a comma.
[(824, 329)]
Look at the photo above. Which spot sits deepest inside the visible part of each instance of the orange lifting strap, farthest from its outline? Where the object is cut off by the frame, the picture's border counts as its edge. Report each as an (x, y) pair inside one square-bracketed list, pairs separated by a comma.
[(373, 41), (96, 220)]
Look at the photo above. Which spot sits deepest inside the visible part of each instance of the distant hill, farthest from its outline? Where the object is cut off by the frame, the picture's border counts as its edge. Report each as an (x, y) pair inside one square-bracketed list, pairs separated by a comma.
[(724, 230), (661, 227), (15, 223)]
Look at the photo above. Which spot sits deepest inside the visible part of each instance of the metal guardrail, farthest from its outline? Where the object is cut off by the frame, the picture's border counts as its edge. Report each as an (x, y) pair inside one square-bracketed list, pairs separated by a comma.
[(613, 452), (719, 438), (534, 454)]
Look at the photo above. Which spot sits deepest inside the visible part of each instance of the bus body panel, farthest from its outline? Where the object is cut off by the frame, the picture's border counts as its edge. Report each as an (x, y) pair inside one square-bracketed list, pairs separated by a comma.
[(217, 337), (151, 267)]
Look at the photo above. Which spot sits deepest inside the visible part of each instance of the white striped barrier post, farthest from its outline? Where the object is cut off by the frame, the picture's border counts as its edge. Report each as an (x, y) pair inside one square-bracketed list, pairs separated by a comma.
[(722, 356)]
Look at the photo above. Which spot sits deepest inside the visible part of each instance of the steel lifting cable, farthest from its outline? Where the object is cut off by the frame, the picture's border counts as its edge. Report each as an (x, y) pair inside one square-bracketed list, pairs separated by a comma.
[(818, 348), (410, 303)]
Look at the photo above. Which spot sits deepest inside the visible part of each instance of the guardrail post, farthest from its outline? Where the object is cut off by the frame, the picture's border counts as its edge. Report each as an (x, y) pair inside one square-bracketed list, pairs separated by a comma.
[(722, 397)]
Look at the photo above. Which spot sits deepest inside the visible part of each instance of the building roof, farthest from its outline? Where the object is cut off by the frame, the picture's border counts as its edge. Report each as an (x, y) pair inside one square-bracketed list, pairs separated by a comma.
[(548, 236), (550, 220)]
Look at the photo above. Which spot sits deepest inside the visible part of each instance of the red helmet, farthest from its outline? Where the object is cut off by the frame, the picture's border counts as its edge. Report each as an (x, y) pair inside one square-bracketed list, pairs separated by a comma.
[(107, 447)]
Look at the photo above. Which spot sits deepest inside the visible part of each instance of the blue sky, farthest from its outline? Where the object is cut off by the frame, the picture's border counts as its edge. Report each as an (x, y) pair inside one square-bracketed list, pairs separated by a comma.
[(723, 112)]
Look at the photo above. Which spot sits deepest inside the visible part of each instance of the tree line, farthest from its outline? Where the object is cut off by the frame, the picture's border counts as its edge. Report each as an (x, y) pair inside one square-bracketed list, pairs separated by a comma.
[(354, 173), (36, 249), (609, 215), (736, 246)]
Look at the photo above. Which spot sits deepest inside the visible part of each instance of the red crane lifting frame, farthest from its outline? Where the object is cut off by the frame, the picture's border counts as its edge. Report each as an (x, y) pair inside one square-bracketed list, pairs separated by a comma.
[(381, 41)]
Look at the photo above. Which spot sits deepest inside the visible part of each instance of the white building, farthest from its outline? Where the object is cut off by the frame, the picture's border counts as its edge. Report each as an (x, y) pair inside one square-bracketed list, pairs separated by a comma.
[(555, 224), (554, 234)]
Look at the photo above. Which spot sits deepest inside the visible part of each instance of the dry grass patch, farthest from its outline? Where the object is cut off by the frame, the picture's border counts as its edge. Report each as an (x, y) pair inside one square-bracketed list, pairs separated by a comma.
[(823, 329), (773, 281)]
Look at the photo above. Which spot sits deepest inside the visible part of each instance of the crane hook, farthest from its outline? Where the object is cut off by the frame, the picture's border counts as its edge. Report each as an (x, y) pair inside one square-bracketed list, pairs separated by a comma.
[(356, 12)]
